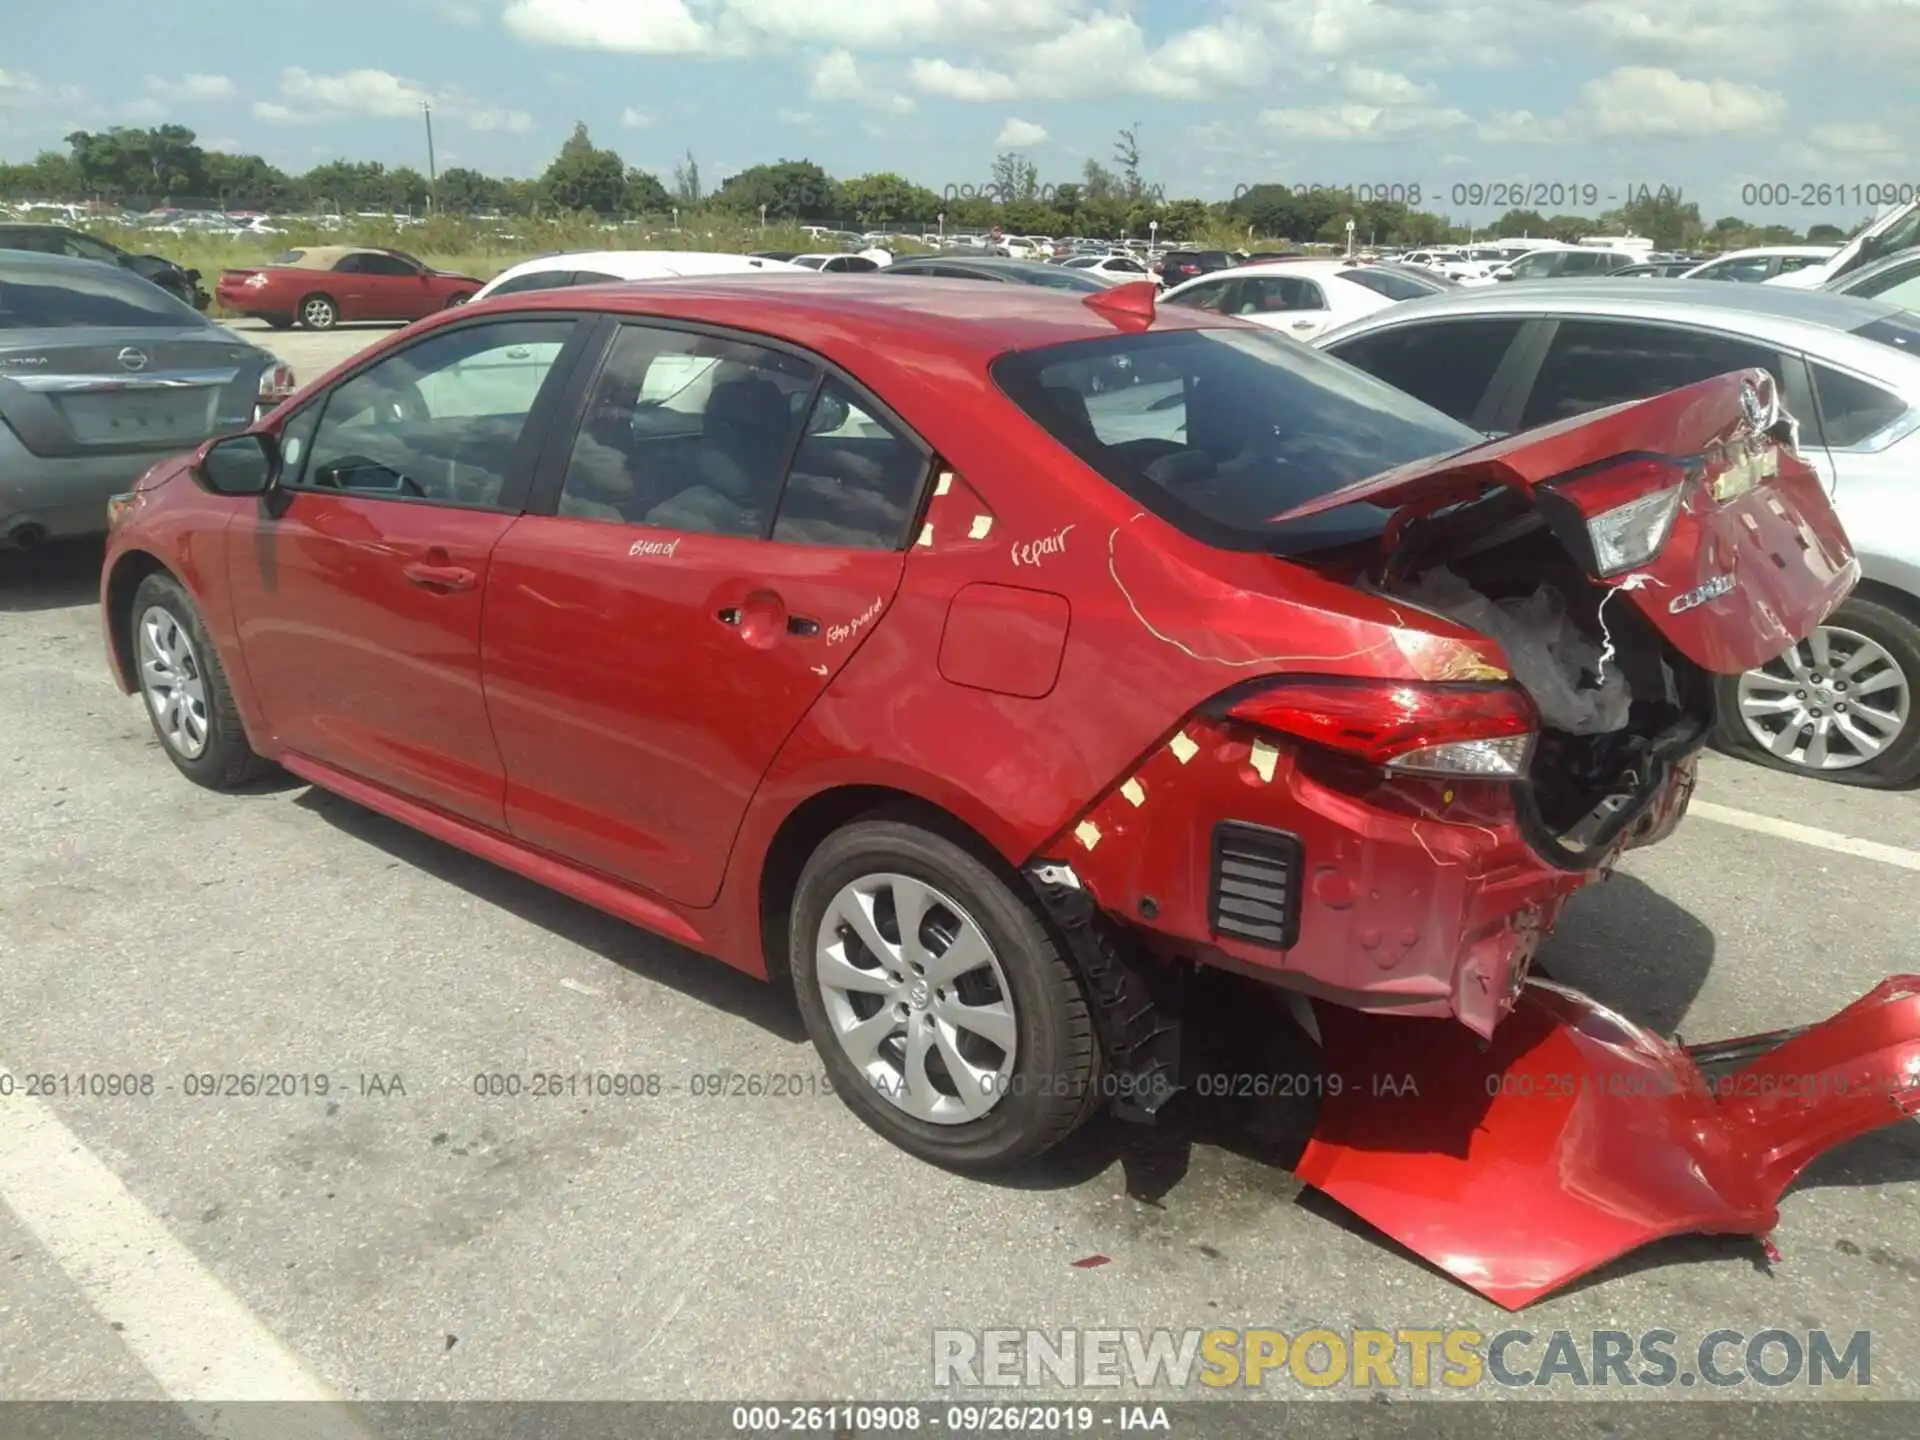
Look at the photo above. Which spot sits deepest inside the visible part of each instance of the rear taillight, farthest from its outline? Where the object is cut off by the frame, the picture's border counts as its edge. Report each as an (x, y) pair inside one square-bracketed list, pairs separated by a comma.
[(256, 281), (1415, 727), (276, 385), (1616, 518)]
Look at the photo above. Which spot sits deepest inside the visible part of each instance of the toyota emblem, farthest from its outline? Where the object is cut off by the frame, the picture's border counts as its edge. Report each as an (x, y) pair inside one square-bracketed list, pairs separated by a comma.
[(133, 359), (1753, 405)]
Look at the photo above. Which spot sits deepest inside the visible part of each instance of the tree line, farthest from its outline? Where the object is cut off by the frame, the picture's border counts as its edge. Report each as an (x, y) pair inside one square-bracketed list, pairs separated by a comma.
[(166, 165)]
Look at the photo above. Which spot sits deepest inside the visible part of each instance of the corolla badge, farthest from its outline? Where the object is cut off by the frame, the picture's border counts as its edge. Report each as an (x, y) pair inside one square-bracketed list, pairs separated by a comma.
[(1713, 589)]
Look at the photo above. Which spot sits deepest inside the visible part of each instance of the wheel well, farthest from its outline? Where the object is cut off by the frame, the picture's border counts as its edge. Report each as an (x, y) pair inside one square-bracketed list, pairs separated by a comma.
[(128, 572), (811, 822), (1899, 601)]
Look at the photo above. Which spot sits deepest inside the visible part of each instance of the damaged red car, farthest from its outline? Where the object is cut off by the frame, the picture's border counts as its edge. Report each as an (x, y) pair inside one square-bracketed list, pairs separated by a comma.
[(978, 665)]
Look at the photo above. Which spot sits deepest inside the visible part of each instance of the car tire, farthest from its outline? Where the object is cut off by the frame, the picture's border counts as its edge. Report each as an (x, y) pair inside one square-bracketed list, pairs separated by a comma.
[(1008, 1106), (1880, 640), (456, 301), (318, 312), (183, 688)]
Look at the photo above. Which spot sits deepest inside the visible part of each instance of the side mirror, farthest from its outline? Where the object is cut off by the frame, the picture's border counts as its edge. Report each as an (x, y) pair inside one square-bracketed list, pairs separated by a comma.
[(830, 412), (240, 465)]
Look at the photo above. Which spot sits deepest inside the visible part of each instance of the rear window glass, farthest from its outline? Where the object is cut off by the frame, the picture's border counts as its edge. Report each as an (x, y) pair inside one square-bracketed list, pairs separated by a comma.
[(1900, 331), (537, 280), (44, 300), (1852, 411), (1218, 430), (1385, 282)]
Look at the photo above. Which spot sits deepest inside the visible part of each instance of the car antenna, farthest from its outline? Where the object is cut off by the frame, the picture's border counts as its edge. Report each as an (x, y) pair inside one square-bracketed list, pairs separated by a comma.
[(1129, 306)]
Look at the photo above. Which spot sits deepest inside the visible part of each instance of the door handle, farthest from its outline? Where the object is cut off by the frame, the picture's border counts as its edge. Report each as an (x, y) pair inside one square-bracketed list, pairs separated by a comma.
[(802, 625), (439, 577), (728, 616)]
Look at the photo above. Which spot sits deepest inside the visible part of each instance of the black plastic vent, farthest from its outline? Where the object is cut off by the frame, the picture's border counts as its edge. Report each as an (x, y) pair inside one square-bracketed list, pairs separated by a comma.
[(1255, 890)]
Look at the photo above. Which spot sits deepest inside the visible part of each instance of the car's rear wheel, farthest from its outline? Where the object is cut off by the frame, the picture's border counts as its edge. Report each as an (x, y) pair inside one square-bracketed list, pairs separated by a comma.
[(1840, 705), (185, 688), (318, 312), (944, 1009)]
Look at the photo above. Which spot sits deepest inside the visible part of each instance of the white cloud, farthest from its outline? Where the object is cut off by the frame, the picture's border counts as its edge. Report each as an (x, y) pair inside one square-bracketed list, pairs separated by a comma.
[(17, 88), (837, 76), (1354, 121), (632, 119), (1018, 134), (1386, 87), (893, 24), (196, 86), (1639, 100), (961, 82), (1856, 138), (635, 27), (307, 99), (1107, 54)]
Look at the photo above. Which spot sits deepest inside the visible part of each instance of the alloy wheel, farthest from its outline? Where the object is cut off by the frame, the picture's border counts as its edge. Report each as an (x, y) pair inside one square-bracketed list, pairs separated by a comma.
[(173, 682), (1835, 701), (318, 314), (917, 998)]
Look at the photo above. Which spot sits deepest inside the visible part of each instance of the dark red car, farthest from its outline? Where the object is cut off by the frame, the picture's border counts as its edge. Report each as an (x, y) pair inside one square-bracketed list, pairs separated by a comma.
[(978, 661), (322, 286)]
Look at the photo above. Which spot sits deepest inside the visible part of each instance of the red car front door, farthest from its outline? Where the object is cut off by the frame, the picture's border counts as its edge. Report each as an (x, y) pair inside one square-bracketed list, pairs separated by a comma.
[(646, 651), (357, 585)]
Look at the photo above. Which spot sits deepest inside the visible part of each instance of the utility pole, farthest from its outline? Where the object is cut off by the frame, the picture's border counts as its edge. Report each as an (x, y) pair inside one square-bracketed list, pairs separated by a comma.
[(433, 178)]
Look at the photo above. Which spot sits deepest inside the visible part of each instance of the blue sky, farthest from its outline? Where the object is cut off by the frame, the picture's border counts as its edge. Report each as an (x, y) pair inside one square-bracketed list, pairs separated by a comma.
[(1710, 96)]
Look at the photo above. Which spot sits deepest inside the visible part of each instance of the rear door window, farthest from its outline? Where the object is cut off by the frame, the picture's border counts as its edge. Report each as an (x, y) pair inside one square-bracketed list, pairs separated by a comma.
[(1449, 364), (1595, 363)]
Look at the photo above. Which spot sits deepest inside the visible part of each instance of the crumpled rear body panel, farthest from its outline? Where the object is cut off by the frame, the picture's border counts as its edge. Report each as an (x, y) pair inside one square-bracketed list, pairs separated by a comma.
[(1576, 1136)]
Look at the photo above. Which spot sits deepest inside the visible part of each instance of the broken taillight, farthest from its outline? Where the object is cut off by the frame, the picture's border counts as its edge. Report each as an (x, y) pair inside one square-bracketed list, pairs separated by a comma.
[(1618, 516), (1418, 727), (276, 385)]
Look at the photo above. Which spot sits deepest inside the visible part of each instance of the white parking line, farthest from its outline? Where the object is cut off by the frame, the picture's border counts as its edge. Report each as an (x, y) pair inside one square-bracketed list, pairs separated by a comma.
[(1807, 835), (196, 1339)]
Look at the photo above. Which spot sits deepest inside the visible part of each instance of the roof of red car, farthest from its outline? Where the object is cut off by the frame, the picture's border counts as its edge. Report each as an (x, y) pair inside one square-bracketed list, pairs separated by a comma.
[(975, 317)]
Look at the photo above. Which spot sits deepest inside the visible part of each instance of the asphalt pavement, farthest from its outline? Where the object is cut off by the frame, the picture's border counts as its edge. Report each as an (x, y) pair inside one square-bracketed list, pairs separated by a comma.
[(407, 1236)]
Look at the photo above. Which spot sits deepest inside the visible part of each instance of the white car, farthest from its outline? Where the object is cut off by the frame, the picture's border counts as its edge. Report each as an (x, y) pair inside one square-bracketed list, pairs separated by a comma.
[(1300, 298), (841, 264), (1893, 232), (1120, 269), (1761, 263), (597, 267)]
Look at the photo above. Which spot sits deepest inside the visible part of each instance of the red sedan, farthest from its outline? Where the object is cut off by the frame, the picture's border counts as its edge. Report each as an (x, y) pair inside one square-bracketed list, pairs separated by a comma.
[(327, 285), (978, 663)]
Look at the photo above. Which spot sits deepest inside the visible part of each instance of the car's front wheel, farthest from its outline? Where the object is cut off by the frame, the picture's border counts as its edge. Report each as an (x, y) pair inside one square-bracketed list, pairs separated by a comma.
[(944, 1009), (185, 688), (1840, 705)]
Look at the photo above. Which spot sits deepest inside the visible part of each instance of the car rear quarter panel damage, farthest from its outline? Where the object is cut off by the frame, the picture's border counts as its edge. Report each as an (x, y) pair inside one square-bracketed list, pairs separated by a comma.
[(1037, 676)]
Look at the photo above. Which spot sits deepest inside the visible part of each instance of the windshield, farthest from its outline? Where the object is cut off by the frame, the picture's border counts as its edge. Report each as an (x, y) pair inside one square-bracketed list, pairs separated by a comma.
[(1218, 430), (1902, 332)]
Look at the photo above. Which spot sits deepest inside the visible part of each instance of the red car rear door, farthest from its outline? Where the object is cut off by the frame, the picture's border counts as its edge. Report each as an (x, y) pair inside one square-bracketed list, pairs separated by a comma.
[(731, 526), (357, 584)]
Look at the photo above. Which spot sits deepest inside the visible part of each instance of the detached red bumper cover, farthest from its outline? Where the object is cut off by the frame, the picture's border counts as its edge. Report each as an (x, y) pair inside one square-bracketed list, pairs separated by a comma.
[(1576, 1136)]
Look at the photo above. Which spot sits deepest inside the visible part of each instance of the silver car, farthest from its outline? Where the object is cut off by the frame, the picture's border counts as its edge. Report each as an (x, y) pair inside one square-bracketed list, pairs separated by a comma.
[(103, 373), (1530, 353), (1893, 281)]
